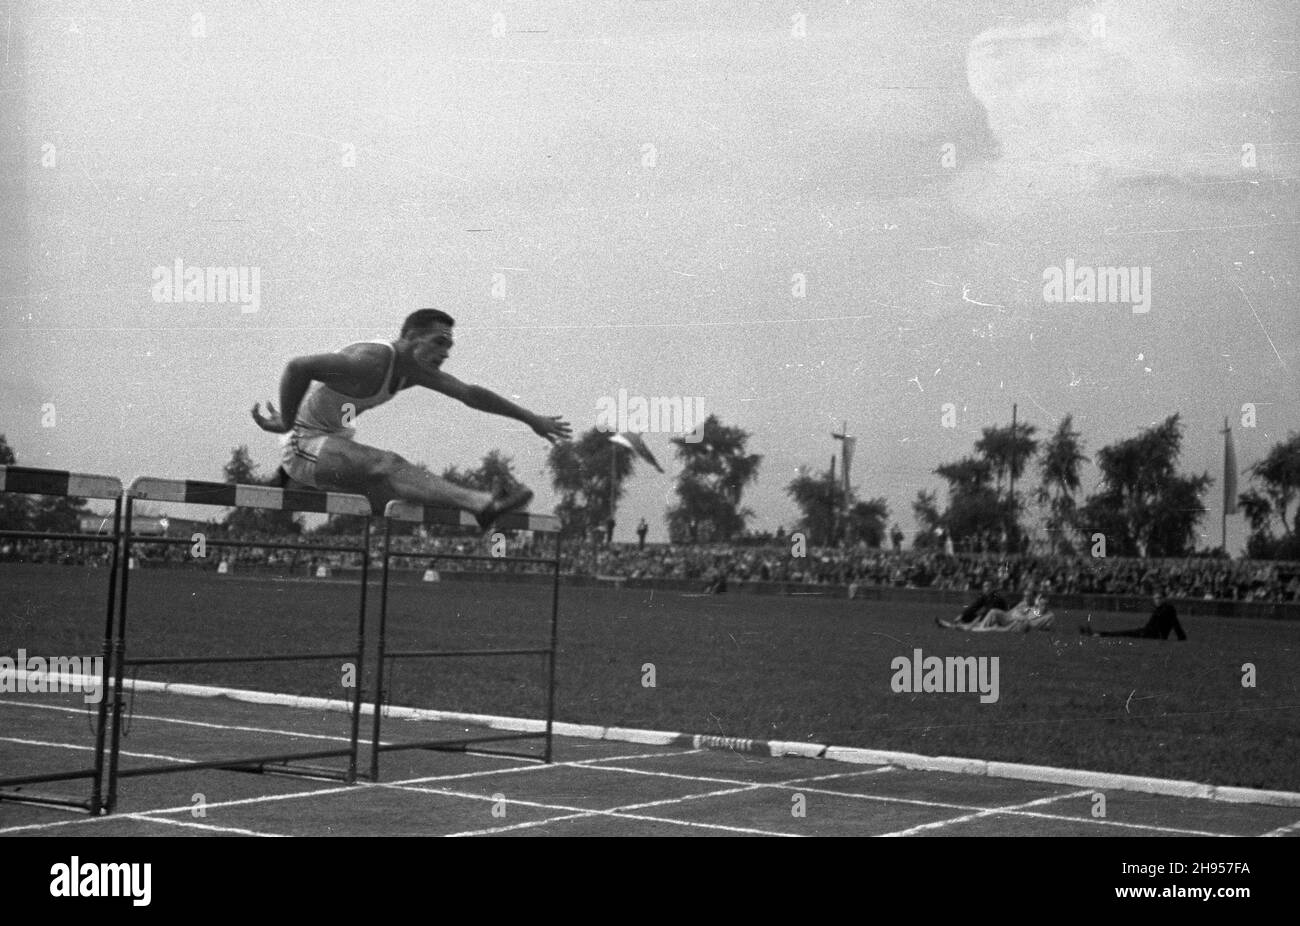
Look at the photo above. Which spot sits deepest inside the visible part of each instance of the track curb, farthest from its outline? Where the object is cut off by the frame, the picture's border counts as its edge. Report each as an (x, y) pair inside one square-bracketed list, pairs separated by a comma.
[(1079, 778)]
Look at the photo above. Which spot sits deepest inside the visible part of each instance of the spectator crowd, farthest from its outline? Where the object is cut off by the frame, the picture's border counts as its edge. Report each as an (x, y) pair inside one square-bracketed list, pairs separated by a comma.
[(717, 565)]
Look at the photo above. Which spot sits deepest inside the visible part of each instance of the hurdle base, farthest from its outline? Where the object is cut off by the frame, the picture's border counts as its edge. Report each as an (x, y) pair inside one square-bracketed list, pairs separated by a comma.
[(316, 772), (55, 801), (464, 744)]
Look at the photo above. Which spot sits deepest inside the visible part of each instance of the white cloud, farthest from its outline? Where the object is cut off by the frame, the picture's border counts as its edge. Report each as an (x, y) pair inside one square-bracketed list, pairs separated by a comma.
[(1124, 90)]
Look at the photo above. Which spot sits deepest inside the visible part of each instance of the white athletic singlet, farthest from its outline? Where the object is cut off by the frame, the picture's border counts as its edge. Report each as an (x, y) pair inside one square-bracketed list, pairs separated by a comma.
[(323, 409)]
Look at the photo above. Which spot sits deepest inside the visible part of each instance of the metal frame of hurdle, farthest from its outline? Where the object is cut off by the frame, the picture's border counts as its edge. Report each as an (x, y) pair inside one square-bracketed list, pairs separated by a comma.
[(240, 496), (106, 772), (25, 480), (540, 523)]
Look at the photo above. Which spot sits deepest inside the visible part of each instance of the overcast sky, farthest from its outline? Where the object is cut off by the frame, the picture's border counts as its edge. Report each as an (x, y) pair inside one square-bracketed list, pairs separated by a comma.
[(646, 180)]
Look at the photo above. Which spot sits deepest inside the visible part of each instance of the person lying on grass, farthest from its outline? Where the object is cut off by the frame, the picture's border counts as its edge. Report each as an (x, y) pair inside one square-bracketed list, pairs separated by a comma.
[(1163, 621), (988, 599), (1030, 614)]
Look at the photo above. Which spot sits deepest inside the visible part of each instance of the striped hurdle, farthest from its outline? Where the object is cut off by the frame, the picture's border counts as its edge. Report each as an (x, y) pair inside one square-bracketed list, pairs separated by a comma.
[(396, 512), (228, 495), (26, 480)]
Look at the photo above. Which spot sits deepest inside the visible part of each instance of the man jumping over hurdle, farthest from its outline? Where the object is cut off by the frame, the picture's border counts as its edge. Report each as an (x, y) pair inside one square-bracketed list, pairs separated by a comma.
[(322, 394)]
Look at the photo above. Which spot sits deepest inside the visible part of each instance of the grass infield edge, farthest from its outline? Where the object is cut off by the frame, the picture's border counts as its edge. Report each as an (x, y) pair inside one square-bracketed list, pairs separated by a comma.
[(775, 748)]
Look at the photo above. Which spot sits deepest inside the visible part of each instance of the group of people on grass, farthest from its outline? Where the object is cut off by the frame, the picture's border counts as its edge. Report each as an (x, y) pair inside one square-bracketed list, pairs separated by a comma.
[(989, 613)]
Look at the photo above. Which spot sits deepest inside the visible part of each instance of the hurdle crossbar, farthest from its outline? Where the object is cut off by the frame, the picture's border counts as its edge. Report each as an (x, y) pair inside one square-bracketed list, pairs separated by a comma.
[(398, 511), (239, 496), (26, 480)]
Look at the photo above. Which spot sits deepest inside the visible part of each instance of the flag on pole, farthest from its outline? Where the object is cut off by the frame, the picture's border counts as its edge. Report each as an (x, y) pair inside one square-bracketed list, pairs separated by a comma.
[(849, 443), (1229, 471), (634, 442)]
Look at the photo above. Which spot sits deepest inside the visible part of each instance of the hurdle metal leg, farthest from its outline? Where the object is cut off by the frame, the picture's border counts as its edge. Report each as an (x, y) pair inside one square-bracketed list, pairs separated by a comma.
[(408, 512), (555, 631), (31, 481), (191, 492)]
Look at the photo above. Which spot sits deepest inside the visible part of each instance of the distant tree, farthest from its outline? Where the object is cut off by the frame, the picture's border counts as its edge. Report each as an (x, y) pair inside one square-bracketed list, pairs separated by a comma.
[(716, 469), (1060, 461), (817, 498), (925, 508), (1008, 451), (867, 522), (975, 513), (46, 513), (580, 473), (15, 510), (968, 475), (57, 513), (495, 474), (241, 470), (1275, 486), (1144, 507), (820, 498)]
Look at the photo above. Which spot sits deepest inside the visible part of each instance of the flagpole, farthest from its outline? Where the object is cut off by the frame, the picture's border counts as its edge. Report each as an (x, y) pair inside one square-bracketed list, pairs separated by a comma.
[(1011, 486), (830, 531), (843, 507), (1223, 543), (844, 466)]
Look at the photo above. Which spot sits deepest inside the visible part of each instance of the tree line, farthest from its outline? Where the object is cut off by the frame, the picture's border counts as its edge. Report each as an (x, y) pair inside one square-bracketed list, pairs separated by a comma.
[(1143, 505)]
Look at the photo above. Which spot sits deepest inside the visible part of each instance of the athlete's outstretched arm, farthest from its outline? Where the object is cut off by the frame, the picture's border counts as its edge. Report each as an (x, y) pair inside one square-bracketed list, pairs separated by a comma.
[(552, 427), (337, 370)]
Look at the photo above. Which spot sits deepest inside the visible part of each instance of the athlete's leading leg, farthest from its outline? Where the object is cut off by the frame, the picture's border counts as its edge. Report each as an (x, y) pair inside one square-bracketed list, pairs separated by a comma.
[(382, 476)]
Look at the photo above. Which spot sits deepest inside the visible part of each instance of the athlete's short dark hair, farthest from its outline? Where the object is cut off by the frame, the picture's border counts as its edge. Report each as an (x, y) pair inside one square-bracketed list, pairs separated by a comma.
[(423, 319)]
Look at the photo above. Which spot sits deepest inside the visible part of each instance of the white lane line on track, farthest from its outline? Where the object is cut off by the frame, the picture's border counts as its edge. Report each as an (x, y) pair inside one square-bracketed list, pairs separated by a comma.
[(866, 771), (940, 824), (705, 779), (532, 766), (77, 746), (623, 812), (577, 813), (801, 785), (191, 824), (318, 792), (974, 812), (244, 729), (531, 824), (192, 723)]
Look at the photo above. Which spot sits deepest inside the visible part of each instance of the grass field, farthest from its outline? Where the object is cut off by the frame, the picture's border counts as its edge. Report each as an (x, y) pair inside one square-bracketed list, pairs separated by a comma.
[(800, 668)]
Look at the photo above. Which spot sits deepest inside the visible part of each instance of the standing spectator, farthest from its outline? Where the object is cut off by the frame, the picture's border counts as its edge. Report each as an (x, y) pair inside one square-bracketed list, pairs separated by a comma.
[(641, 530), (896, 537)]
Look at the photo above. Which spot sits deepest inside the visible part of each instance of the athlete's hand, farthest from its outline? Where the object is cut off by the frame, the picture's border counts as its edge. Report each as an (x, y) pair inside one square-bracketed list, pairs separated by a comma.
[(271, 421), (552, 427)]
